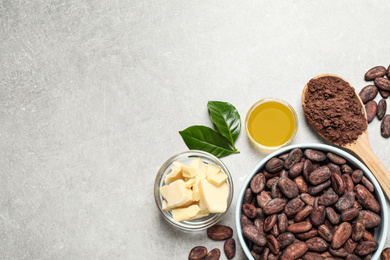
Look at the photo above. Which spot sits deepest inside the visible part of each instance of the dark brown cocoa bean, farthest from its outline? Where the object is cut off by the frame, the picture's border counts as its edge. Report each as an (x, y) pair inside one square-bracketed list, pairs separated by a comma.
[(341, 252), (312, 256), (214, 254), (348, 182), (334, 158), (274, 165), (366, 198), (248, 196), (274, 206), (307, 169), (259, 213), (307, 235), (341, 235), (275, 192), (352, 257), (377, 71), (307, 198), (345, 168), (385, 126), (370, 187), (318, 215), (301, 184), (349, 214), (317, 244), (350, 245), (263, 198), (268, 175), (382, 83), (367, 236), (293, 207), (332, 216), (295, 170), (271, 181), (288, 188), (259, 224), (346, 201), (325, 233), (369, 218), (219, 232), (294, 251), (269, 222), (230, 248), (334, 168), (197, 253), (293, 157), (366, 247), (382, 107), (249, 210), (285, 240), (282, 222), (304, 213), (386, 252), (371, 110), (328, 198), (368, 93), (275, 231), (338, 184), (273, 244), (244, 220), (314, 155), (357, 176), (320, 175), (314, 190), (257, 183), (253, 234), (299, 227), (384, 94)]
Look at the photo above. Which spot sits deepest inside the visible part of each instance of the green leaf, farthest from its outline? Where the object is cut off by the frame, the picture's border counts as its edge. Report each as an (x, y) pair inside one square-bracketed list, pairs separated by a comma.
[(226, 118), (204, 138)]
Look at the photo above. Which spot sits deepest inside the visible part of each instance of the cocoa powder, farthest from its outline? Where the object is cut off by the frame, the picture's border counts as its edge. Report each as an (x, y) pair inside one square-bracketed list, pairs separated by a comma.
[(332, 108)]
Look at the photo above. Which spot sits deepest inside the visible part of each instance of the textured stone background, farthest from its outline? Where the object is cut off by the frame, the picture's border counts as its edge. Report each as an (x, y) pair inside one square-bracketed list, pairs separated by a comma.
[(93, 94)]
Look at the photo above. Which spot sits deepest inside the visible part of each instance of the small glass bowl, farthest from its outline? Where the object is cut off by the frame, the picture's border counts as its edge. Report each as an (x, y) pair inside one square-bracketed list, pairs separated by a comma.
[(186, 158), (268, 100)]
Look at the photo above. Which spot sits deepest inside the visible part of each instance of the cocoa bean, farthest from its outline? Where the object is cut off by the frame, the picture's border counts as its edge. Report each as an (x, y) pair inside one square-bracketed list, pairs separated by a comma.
[(357, 176), (338, 184), (325, 233), (377, 71), (304, 213), (197, 253), (256, 256), (334, 168), (388, 72), (283, 174), (341, 252), (368, 93), (253, 234), (263, 198), (386, 252), (317, 244), (269, 222), (352, 257), (367, 236), (368, 184), (293, 207), (350, 245), (317, 216), (268, 175), (258, 249), (307, 235), (334, 158), (274, 165), (274, 206), (346, 201), (320, 175), (332, 216), (299, 227), (275, 192), (295, 170), (273, 244), (369, 218), (259, 224), (271, 181), (244, 220), (366, 199), (282, 222), (312, 256), (314, 190), (348, 182), (328, 198), (214, 254), (219, 232), (385, 126), (356, 205), (248, 196), (288, 188), (249, 210), (343, 232), (382, 83), (265, 254), (371, 110), (257, 183), (285, 240), (272, 256), (275, 231), (384, 94), (345, 168), (294, 251), (293, 157), (230, 248), (349, 214), (307, 169), (366, 247), (283, 156), (382, 107), (260, 213), (314, 155)]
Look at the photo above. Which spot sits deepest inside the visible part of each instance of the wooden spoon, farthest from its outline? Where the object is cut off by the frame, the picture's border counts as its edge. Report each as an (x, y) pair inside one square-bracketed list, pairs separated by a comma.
[(361, 146)]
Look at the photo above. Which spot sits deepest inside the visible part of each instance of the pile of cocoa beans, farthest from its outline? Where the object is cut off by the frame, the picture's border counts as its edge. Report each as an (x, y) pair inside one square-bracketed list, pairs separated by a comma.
[(369, 92), (307, 204)]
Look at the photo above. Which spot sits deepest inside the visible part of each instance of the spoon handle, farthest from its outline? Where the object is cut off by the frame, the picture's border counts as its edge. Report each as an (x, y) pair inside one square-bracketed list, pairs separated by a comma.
[(363, 149)]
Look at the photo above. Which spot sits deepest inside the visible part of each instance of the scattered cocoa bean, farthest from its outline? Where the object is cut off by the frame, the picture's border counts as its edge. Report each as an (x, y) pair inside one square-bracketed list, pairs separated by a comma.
[(382, 107), (230, 248), (219, 232), (385, 255), (382, 83), (198, 253), (368, 93), (214, 254), (385, 126), (377, 71), (371, 110)]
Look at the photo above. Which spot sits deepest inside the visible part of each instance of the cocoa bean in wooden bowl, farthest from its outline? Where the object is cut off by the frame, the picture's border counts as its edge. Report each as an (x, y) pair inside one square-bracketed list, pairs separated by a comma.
[(311, 200)]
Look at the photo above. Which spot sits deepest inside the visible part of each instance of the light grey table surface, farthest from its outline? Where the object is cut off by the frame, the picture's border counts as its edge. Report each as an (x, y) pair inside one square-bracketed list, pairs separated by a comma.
[(93, 94)]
